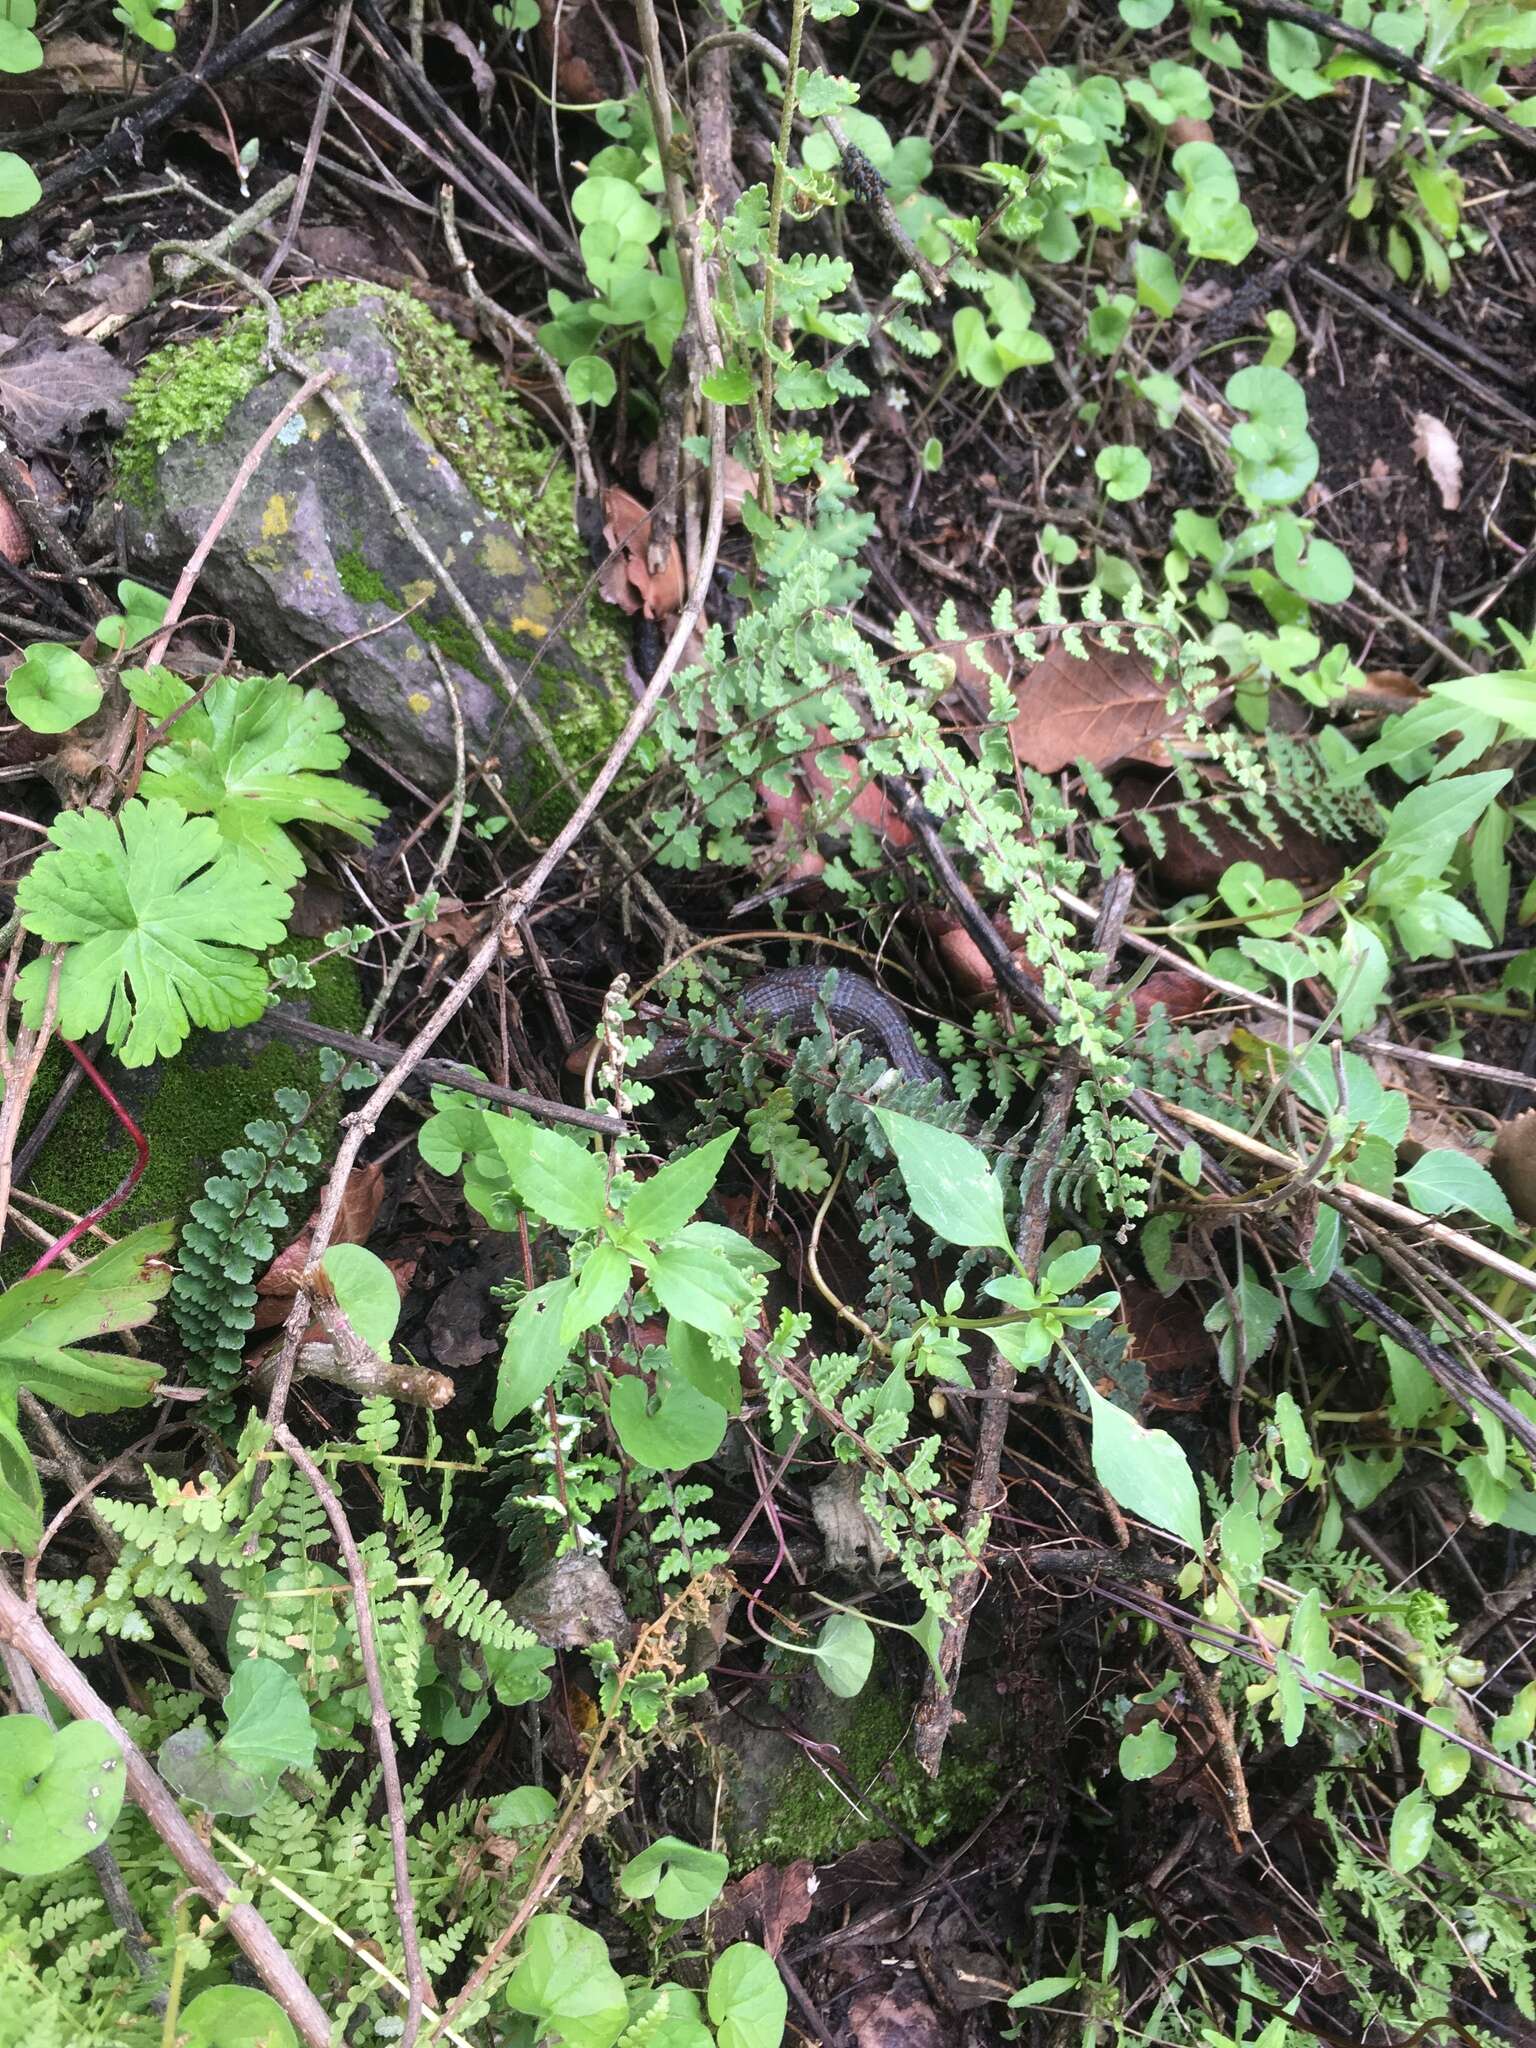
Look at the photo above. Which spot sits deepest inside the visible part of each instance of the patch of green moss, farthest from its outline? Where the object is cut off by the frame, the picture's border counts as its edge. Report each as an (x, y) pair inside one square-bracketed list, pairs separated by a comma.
[(811, 1817), (191, 1109)]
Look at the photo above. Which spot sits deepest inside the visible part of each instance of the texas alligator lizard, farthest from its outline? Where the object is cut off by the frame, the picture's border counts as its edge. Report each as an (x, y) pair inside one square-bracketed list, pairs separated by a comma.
[(857, 1008)]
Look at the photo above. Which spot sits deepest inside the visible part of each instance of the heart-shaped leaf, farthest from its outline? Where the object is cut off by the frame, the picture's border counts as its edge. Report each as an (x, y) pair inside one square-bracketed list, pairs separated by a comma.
[(60, 1792)]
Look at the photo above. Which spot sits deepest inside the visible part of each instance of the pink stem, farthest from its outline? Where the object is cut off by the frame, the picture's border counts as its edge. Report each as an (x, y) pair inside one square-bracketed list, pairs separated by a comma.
[(124, 1188)]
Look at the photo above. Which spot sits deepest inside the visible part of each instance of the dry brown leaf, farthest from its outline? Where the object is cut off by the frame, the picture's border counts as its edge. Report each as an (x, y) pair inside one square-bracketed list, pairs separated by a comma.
[(359, 1211), (50, 386), (630, 582), (117, 290), (481, 74), (1435, 446), (899, 2016), (1108, 708), (1514, 1163), (767, 1898)]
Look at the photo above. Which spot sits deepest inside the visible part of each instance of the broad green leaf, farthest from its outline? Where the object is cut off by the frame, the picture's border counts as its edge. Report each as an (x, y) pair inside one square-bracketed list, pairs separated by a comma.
[(268, 1726), (845, 1653), (591, 380), (42, 1321), (1045, 1990), (366, 1291), (1144, 1470), (534, 1350), (565, 1980), (948, 1180), (52, 689), (234, 2016), (682, 1880), (697, 1359), (1413, 1831), (1439, 1181), (600, 1286), (1143, 1755), (661, 1205), (1437, 813), (747, 1999), (700, 1285), (60, 1792), (669, 1430), (163, 922), (556, 1177), (257, 755), (1069, 1270), (1444, 1761)]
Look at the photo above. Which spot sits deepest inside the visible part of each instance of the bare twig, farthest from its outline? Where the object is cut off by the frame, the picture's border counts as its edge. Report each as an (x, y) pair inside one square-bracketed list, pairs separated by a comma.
[(322, 114)]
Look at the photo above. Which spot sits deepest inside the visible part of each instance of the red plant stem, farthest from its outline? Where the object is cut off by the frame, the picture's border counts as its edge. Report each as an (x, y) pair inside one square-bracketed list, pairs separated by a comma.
[(125, 1186)]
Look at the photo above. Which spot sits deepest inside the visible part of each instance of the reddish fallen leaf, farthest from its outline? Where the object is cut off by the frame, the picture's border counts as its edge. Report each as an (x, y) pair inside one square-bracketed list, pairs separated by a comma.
[(766, 1900), (1106, 709), (1187, 865), (359, 1212), (1181, 995), (630, 582)]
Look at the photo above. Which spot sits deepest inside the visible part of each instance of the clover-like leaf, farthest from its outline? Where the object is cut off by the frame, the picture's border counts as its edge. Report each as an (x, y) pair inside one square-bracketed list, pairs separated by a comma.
[(565, 1980), (60, 1792), (747, 1999), (162, 921), (268, 1731)]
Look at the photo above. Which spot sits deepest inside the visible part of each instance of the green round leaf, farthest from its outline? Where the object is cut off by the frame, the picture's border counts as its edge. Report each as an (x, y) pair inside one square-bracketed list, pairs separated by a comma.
[(565, 1980), (1123, 470), (234, 2016), (19, 189), (19, 48), (681, 1879), (845, 1651), (53, 689), (528, 1806), (666, 1431), (366, 1293), (60, 1792), (1147, 1753), (1269, 907), (747, 1999), (591, 381)]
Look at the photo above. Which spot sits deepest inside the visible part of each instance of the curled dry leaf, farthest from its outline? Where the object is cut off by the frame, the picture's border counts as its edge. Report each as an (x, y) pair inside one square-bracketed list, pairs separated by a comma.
[(628, 581), (1181, 995), (1186, 128), (1514, 1163), (359, 1212), (1435, 446), (766, 1899), (1108, 708)]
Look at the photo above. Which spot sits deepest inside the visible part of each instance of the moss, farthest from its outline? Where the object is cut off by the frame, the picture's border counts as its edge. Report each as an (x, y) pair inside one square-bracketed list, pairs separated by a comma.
[(811, 1817), (191, 1108)]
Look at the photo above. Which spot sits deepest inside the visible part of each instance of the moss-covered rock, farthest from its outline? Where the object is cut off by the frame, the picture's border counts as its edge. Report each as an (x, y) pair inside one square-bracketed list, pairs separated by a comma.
[(778, 1803), (312, 557)]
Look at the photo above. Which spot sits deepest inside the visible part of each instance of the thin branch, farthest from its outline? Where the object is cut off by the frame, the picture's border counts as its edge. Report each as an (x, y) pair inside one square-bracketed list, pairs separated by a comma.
[(419, 1989)]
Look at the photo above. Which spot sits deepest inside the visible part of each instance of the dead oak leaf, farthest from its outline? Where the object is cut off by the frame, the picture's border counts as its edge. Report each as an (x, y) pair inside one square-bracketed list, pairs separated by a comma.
[(1108, 708), (50, 386)]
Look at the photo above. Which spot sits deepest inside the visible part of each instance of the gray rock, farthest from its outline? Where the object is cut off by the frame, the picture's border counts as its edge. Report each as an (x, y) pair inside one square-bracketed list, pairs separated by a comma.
[(312, 556)]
